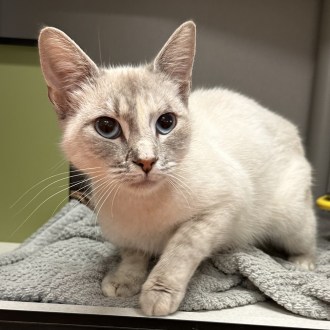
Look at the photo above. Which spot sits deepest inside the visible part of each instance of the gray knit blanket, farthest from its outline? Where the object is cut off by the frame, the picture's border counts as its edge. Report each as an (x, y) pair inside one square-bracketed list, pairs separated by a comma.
[(65, 261)]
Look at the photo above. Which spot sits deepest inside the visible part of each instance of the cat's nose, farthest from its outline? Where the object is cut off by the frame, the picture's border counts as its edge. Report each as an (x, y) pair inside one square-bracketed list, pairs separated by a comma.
[(146, 164)]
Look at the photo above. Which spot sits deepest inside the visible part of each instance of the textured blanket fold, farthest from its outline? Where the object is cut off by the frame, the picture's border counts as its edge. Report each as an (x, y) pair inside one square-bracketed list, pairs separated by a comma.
[(65, 261)]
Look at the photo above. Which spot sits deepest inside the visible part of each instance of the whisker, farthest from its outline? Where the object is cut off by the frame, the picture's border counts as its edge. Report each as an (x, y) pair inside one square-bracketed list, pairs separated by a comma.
[(87, 179), (179, 190), (37, 184), (183, 185), (105, 192), (108, 190), (113, 199), (103, 185), (114, 186), (82, 188), (99, 41), (100, 187), (57, 165), (36, 209), (40, 182), (42, 190)]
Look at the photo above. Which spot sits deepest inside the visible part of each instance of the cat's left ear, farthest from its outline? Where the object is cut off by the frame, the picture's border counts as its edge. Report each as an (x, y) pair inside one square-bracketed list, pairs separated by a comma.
[(177, 57)]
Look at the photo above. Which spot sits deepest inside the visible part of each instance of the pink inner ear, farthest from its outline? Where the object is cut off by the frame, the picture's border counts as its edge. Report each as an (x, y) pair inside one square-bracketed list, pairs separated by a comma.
[(65, 66), (68, 75), (63, 63), (177, 57)]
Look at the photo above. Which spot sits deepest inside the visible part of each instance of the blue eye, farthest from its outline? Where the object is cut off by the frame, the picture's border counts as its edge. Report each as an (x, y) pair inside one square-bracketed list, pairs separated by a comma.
[(107, 127), (165, 123)]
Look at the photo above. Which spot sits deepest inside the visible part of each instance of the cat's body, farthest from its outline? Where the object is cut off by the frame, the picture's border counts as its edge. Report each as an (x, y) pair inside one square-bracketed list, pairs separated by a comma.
[(176, 174), (238, 153)]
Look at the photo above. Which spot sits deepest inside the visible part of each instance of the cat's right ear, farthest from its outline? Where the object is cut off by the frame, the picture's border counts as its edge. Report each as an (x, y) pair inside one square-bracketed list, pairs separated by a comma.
[(65, 68)]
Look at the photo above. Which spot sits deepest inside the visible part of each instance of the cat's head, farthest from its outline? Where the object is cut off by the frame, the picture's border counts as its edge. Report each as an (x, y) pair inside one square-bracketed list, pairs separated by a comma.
[(129, 124)]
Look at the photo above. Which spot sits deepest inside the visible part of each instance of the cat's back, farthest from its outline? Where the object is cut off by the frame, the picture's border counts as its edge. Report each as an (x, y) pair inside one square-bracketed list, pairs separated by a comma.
[(239, 123)]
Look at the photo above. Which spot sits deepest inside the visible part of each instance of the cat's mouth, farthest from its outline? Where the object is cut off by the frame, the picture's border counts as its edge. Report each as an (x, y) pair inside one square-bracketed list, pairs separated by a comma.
[(143, 181)]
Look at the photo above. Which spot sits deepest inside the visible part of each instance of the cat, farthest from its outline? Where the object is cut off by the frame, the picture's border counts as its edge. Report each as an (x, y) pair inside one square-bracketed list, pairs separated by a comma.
[(176, 173)]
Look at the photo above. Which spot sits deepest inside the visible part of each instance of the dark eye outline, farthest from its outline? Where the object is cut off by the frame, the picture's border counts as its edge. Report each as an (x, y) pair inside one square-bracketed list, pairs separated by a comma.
[(114, 134), (162, 130)]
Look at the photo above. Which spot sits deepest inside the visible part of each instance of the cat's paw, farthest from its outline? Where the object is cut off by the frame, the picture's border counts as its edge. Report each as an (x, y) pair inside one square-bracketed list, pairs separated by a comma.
[(158, 299), (303, 261), (121, 286)]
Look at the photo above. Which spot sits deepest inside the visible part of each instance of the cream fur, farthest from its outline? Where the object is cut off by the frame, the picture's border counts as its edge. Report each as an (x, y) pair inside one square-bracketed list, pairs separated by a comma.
[(230, 174)]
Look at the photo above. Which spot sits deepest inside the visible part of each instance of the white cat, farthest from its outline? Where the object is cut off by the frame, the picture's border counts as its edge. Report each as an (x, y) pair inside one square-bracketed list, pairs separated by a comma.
[(173, 173)]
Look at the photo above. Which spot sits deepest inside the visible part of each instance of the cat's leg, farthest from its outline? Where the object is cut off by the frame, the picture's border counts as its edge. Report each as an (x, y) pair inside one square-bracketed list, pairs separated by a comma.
[(295, 225), (195, 240), (295, 232), (131, 273), (301, 244)]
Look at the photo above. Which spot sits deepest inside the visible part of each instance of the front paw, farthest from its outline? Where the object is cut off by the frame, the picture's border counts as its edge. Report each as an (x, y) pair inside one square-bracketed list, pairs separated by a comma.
[(121, 286), (158, 298)]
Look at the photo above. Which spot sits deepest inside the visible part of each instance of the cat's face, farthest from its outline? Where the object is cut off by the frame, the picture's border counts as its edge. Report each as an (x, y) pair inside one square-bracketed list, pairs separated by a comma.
[(125, 124), (130, 122)]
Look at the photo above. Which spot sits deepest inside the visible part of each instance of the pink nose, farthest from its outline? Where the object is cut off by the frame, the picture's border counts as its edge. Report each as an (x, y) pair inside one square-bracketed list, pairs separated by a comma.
[(146, 164)]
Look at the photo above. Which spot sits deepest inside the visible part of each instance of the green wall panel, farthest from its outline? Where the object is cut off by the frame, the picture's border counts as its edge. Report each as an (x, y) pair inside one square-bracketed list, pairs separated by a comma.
[(29, 138)]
